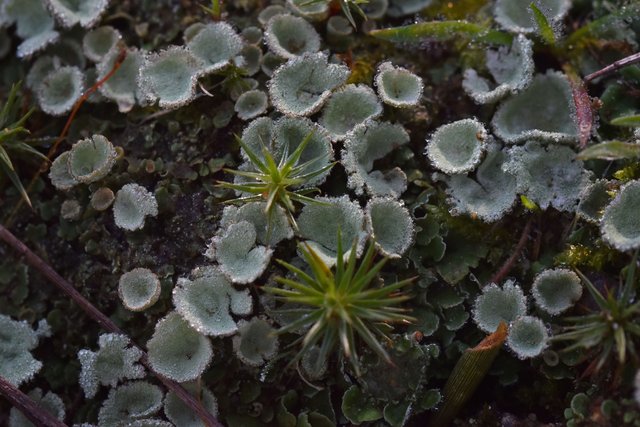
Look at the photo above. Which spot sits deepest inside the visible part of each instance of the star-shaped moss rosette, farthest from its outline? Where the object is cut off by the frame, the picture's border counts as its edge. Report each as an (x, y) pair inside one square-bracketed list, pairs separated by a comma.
[(337, 306), (275, 181)]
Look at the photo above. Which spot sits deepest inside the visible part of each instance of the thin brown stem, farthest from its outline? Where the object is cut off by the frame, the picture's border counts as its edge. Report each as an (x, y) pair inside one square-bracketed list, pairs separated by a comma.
[(39, 264), (54, 148), (27, 406), (509, 263), (629, 60)]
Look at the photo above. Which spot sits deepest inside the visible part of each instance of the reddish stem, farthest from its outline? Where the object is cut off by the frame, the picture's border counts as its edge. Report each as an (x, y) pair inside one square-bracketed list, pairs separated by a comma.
[(27, 406), (39, 264), (509, 263), (63, 134)]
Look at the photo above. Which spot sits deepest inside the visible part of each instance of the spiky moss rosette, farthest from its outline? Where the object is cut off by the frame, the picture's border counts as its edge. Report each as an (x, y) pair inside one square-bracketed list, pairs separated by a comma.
[(290, 36), (139, 289), (555, 291), (398, 86), (620, 225), (457, 147), (91, 159), (178, 351), (528, 337), (282, 137), (497, 305)]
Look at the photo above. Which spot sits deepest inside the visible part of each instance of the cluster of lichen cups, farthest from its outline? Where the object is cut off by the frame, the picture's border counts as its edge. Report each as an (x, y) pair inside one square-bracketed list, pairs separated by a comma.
[(331, 294)]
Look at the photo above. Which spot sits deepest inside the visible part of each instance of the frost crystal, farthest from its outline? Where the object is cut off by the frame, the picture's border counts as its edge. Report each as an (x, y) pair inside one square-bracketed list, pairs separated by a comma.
[(489, 195), (60, 90), (528, 337), (390, 225), (91, 159), (98, 42), (59, 173), (620, 225), (215, 45), (50, 402), (593, 200), (130, 402), (255, 342), (497, 305), (349, 107), (290, 36), (544, 110), (170, 77), (113, 362), (17, 339), (139, 289), (71, 12), (512, 71), (133, 203), (277, 230), (122, 87), (303, 84), (178, 351), (251, 104), (33, 24), (240, 260), (208, 300), (397, 86), (556, 290), (457, 147), (516, 16), (345, 216), (367, 143), (549, 176)]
